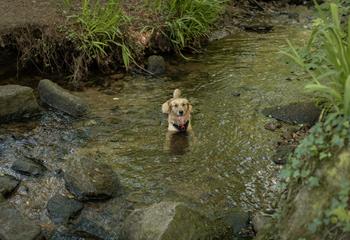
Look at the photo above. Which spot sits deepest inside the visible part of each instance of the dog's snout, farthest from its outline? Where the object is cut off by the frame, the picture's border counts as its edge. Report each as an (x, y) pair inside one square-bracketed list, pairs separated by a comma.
[(181, 112)]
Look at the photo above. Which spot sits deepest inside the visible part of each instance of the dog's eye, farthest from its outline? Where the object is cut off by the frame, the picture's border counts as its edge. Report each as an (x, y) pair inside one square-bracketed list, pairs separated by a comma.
[(183, 104), (176, 105)]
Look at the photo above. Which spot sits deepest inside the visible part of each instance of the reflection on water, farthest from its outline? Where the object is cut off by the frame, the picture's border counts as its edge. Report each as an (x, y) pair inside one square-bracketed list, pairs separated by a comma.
[(227, 160)]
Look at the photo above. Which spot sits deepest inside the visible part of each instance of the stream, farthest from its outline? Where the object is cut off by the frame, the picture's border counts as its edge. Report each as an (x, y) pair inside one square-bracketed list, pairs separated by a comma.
[(226, 161)]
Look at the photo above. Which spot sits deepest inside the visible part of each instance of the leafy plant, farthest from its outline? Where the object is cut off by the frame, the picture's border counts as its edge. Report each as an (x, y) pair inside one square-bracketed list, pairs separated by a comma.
[(99, 30), (187, 20), (330, 43)]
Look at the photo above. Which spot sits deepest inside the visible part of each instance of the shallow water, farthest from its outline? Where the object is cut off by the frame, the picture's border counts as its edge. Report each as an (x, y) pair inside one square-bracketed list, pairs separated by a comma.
[(225, 162)]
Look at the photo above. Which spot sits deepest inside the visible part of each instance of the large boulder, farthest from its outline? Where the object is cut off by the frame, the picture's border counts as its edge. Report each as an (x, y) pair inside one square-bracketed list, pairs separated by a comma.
[(16, 102), (7, 185), (62, 209), (295, 113), (14, 226), (156, 65), (28, 167), (61, 99), (90, 180), (171, 220)]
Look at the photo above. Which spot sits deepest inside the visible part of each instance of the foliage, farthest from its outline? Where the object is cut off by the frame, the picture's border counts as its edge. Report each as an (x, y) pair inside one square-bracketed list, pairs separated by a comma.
[(327, 60), (186, 20), (99, 30)]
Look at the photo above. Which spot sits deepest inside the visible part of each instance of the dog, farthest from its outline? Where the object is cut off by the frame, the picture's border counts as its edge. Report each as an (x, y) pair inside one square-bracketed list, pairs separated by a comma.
[(179, 113)]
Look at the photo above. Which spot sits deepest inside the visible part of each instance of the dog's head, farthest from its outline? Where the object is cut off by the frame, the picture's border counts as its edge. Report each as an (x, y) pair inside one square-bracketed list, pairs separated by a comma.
[(179, 107)]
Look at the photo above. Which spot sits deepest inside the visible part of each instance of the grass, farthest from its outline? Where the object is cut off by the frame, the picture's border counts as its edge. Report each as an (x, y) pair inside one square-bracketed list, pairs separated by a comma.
[(186, 21), (327, 60), (98, 31)]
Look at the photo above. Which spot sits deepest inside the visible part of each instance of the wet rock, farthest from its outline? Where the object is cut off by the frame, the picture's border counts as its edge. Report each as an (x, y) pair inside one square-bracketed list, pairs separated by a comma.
[(272, 126), (237, 220), (260, 221), (14, 226), (61, 209), (91, 229), (156, 64), (258, 28), (7, 185), (282, 153), (28, 167), (61, 99), (218, 34), (59, 235), (295, 113), (16, 102), (90, 180), (170, 220)]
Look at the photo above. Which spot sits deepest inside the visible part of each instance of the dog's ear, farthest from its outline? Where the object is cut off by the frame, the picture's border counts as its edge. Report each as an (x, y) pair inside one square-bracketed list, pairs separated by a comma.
[(189, 107), (166, 107)]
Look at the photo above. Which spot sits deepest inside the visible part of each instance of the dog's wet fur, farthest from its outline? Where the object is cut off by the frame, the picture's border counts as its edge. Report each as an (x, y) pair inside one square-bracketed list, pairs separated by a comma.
[(179, 111)]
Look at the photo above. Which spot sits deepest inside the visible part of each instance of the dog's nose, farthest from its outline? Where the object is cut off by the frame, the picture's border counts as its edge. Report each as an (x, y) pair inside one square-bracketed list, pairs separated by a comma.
[(181, 113)]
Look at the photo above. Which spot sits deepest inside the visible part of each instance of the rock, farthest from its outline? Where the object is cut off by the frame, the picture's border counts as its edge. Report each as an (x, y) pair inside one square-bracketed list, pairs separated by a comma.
[(90, 180), (16, 102), (282, 153), (258, 28), (14, 226), (170, 220), (260, 221), (90, 229), (218, 34), (57, 235), (7, 185), (272, 126), (61, 209), (295, 113), (237, 220), (156, 65), (28, 167), (61, 99)]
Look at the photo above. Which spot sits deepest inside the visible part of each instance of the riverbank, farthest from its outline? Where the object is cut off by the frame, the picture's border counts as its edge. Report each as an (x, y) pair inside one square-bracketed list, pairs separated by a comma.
[(47, 37)]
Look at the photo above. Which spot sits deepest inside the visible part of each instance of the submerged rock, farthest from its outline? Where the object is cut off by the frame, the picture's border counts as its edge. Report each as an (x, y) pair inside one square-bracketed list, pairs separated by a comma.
[(16, 102), (237, 221), (156, 64), (91, 180), (91, 229), (171, 220), (61, 209), (7, 185), (282, 154), (61, 99), (260, 221), (14, 226), (59, 235), (258, 28), (295, 113), (28, 167)]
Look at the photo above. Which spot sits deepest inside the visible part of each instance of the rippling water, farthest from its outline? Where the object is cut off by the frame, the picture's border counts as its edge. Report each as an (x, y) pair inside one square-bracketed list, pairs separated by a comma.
[(226, 162)]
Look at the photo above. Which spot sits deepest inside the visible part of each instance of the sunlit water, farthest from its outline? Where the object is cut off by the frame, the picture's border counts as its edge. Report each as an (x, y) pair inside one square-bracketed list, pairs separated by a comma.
[(224, 163)]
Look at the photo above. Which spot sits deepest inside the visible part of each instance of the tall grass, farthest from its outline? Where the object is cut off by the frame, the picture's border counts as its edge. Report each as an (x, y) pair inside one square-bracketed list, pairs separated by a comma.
[(99, 30), (187, 20), (330, 45)]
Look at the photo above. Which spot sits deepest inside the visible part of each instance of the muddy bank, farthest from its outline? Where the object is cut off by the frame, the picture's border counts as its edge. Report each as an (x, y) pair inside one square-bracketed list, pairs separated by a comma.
[(36, 36)]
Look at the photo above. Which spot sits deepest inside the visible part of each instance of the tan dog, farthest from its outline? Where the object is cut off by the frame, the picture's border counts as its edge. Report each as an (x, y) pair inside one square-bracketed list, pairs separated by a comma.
[(179, 113)]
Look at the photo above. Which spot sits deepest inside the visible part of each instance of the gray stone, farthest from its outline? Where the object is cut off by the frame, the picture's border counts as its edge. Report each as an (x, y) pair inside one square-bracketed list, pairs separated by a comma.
[(14, 226), (295, 113), (16, 102), (7, 185), (62, 209), (237, 220), (58, 235), (282, 154), (260, 221), (156, 64), (171, 220), (90, 229), (61, 99), (90, 180), (28, 167)]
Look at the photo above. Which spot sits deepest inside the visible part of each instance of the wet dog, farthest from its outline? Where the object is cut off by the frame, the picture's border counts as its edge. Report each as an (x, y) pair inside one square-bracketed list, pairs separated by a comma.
[(179, 113)]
